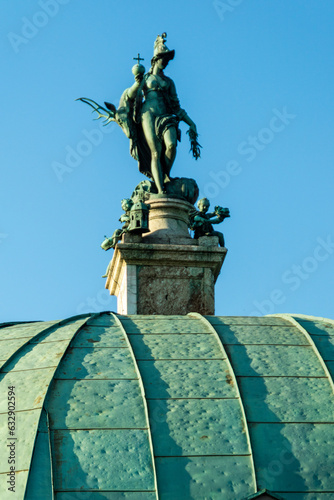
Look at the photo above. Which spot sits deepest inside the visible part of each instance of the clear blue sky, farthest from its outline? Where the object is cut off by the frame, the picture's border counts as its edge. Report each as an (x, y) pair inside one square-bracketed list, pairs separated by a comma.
[(256, 76)]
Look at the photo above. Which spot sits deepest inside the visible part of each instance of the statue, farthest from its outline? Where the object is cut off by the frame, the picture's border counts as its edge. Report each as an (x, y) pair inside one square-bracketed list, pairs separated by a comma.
[(117, 235), (149, 114), (201, 221)]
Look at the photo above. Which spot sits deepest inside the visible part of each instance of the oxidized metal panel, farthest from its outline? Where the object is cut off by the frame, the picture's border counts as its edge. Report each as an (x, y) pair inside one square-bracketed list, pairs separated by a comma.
[(10, 346), (156, 326), (187, 478), (41, 355), (103, 320), (99, 336), (62, 332), (39, 485), (330, 366), (300, 456), (236, 334), (287, 399), (102, 460), (308, 496), (20, 485), (197, 427), (26, 426), (187, 379), (86, 404), (325, 345), (90, 363), (278, 360), (25, 330), (106, 495), (31, 387), (247, 320), (316, 327), (175, 346)]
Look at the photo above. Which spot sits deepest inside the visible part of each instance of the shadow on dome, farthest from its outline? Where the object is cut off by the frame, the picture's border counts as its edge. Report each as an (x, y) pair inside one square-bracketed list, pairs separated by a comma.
[(173, 479), (68, 467), (276, 466)]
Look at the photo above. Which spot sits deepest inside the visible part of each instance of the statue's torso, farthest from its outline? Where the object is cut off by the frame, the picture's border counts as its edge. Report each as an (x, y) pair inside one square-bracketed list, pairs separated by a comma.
[(153, 90)]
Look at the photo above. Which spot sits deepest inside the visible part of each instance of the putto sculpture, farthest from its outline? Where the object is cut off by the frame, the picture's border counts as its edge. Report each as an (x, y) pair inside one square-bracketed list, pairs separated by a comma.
[(117, 235), (200, 221), (149, 114)]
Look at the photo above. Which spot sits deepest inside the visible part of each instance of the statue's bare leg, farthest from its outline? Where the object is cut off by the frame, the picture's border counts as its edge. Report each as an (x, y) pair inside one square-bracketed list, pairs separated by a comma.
[(148, 123), (220, 237), (170, 138)]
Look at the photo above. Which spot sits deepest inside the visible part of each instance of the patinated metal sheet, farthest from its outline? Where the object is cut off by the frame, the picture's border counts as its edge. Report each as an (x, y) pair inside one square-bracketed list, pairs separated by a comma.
[(9, 347), (154, 317), (186, 478), (24, 330), (236, 334), (197, 427), (175, 346), (247, 320), (103, 320), (300, 456), (62, 332), (106, 363), (319, 495), (86, 404), (325, 345), (285, 399), (278, 360), (99, 336), (330, 366), (102, 460), (41, 355), (20, 484), (106, 495), (187, 379), (156, 326), (31, 387), (39, 485), (316, 327), (26, 427)]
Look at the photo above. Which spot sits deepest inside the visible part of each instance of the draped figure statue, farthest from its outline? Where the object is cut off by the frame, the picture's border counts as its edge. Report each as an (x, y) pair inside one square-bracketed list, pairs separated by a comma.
[(149, 114)]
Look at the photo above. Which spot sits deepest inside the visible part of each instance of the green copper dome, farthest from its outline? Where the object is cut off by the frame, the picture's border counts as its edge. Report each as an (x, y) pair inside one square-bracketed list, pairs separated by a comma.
[(171, 407)]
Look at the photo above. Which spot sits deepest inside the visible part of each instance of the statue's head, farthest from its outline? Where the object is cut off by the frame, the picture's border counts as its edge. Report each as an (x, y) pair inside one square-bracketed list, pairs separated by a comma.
[(127, 204), (162, 55), (203, 204)]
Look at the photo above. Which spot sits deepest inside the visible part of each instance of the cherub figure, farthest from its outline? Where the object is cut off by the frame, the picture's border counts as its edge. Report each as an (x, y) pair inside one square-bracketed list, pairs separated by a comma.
[(117, 235), (201, 221)]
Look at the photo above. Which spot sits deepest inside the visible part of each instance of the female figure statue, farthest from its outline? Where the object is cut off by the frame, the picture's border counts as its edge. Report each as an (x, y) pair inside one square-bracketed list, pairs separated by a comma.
[(149, 114), (159, 116)]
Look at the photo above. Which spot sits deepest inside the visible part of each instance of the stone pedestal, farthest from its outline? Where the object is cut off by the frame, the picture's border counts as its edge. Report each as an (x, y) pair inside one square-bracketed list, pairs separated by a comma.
[(165, 271), (168, 221)]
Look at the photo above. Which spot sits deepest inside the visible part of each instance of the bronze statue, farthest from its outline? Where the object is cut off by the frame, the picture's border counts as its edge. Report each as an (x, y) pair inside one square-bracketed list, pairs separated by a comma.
[(201, 221), (149, 114), (117, 235)]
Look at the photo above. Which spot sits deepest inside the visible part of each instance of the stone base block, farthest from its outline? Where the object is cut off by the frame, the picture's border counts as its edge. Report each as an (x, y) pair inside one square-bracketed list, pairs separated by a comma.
[(165, 279)]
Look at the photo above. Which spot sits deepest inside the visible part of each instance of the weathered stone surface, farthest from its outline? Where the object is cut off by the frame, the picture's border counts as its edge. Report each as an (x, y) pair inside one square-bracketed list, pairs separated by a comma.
[(168, 222), (164, 279)]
